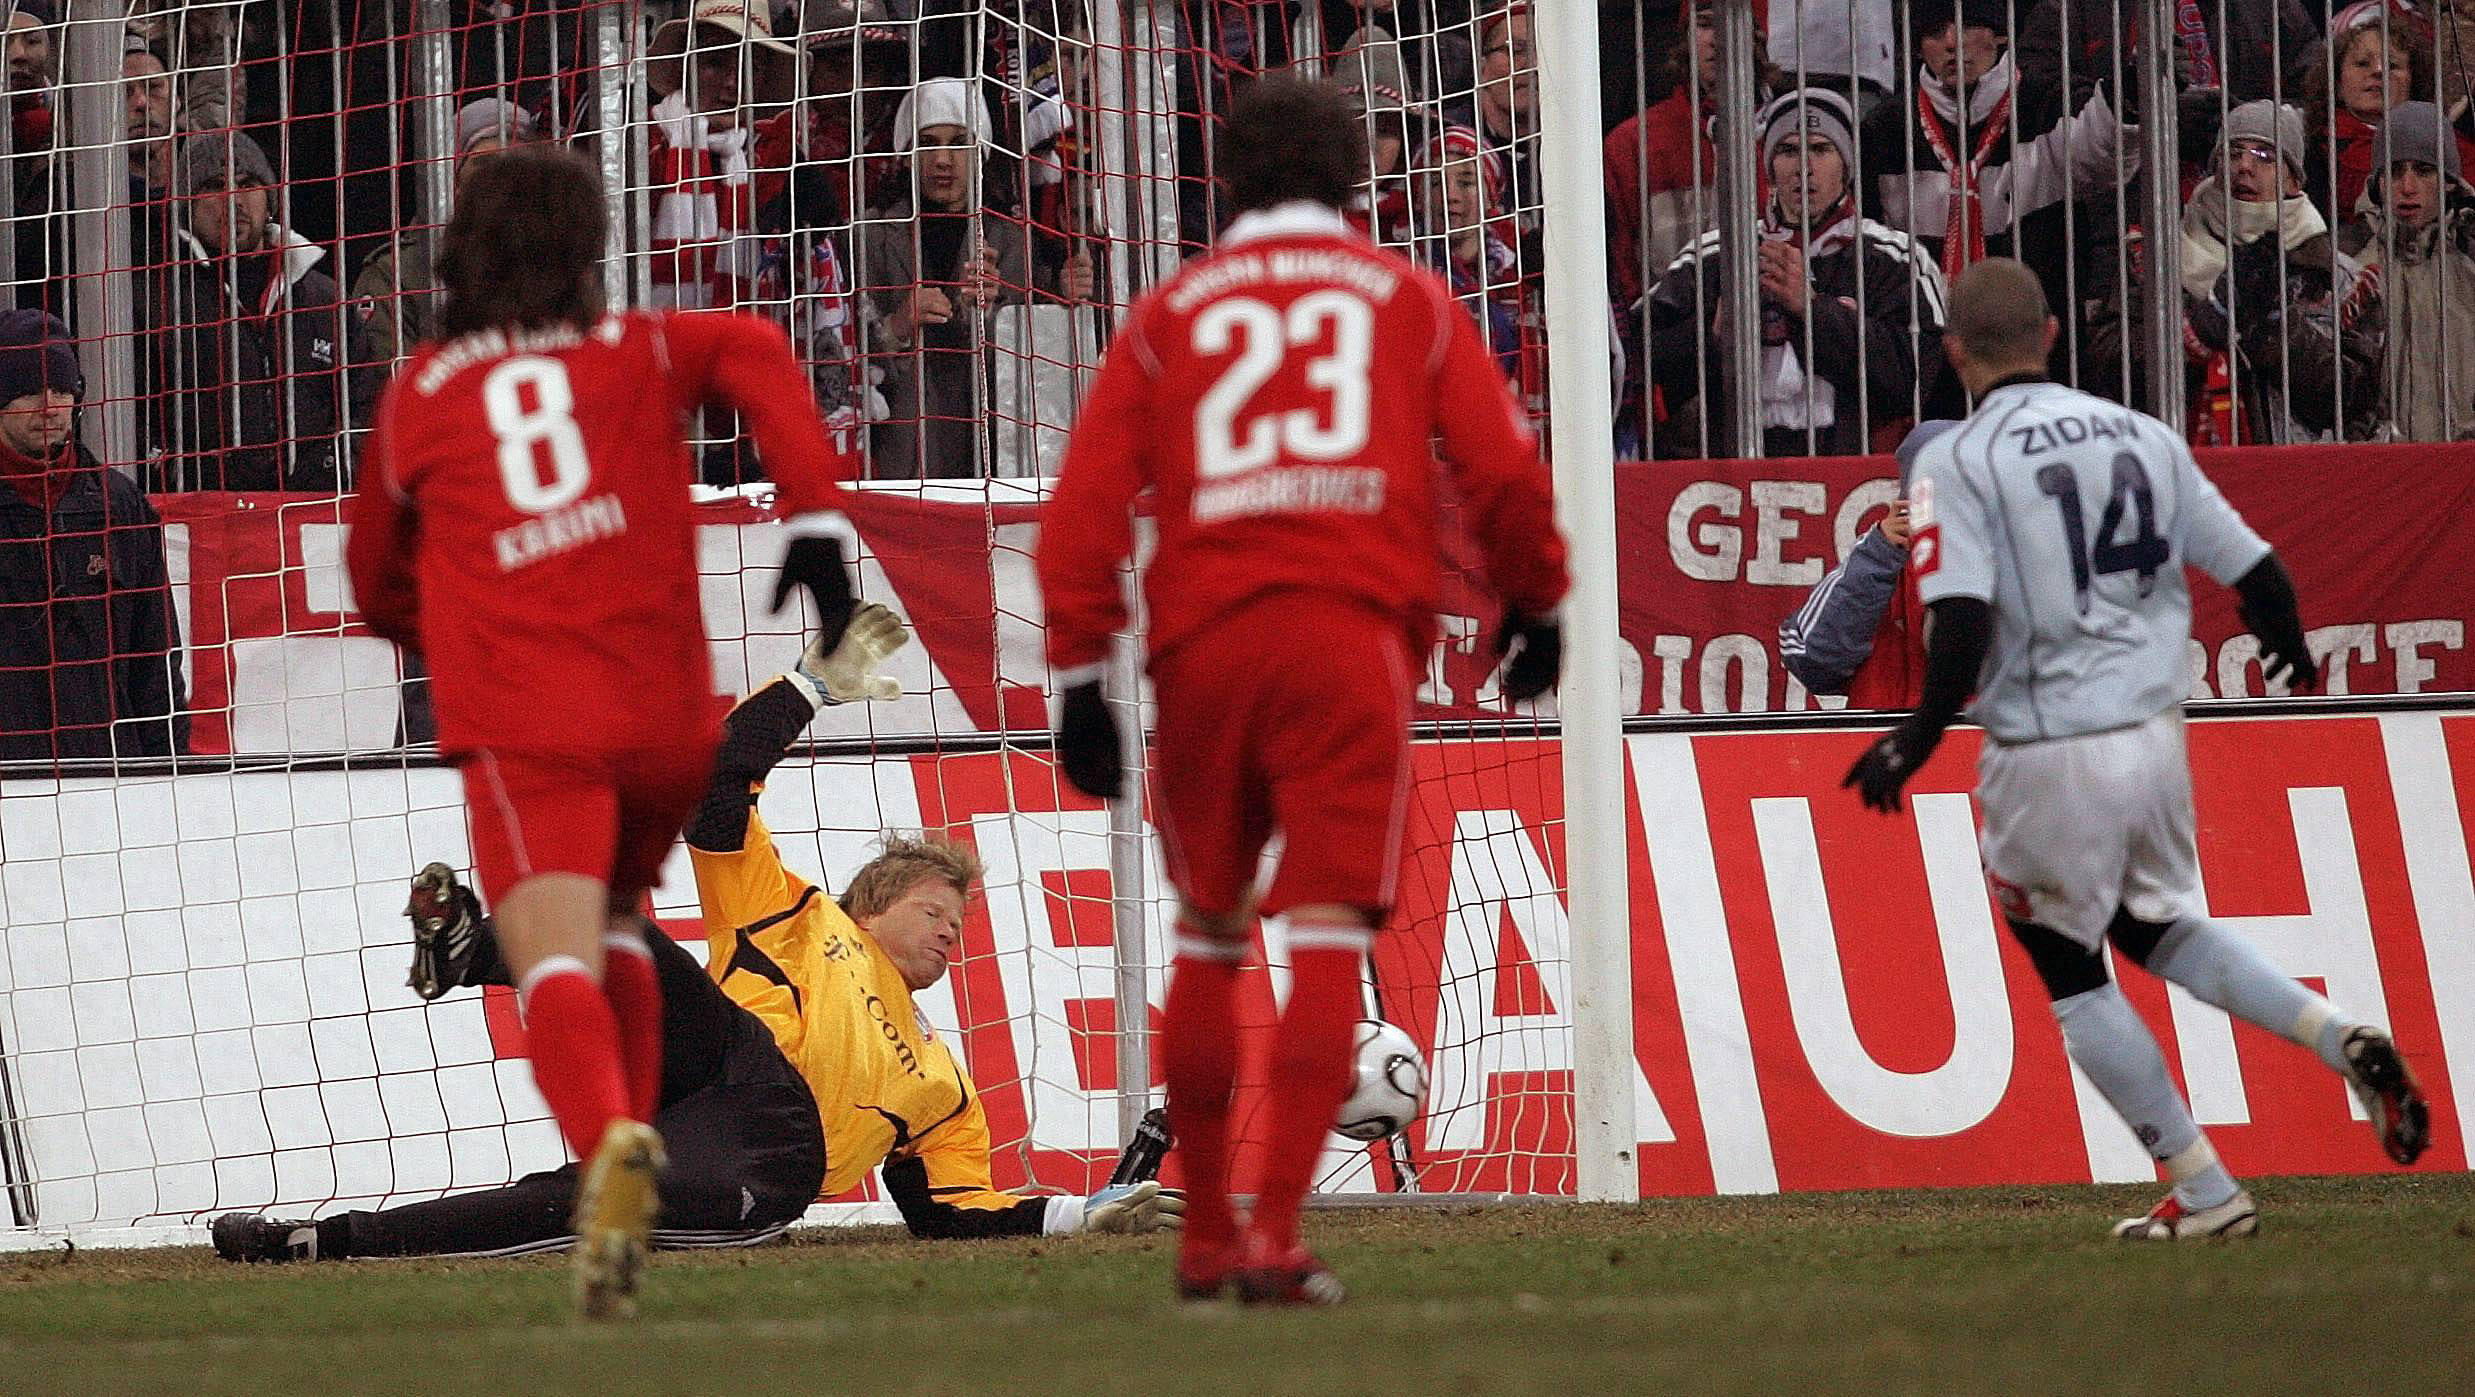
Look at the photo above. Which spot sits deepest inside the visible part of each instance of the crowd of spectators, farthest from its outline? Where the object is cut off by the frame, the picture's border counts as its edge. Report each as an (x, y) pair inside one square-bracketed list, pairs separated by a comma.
[(913, 188)]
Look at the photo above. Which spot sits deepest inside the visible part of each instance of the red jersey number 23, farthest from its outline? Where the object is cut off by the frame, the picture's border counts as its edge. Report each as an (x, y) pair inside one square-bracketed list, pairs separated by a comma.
[(1262, 335), (528, 434)]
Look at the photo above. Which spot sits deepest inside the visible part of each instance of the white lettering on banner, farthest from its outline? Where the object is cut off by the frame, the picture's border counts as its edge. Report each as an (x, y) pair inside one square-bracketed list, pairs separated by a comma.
[(2408, 637), (2433, 830), (2338, 647), (2331, 940), (1861, 501), (1773, 502), (1751, 658), (1451, 633), (1710, 1001), (1672, 651), (1705, 552), (1498, 881), (1971, 1082)]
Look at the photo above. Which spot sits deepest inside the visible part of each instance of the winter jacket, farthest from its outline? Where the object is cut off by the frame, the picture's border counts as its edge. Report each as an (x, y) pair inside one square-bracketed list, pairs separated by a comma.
[(1856, 633), (396, 296), (257, 396), (937, 387), (2305, 339), (2424, 283), (89, 642), (2047, 190), (1809, 409)]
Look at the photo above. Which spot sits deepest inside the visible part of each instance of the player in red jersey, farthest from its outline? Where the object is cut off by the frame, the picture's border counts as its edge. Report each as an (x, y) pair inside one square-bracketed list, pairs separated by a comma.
[(1282, 400), (525, 524)]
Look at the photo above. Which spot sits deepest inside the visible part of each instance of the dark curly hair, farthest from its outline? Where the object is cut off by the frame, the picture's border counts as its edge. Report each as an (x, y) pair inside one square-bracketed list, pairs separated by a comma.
[(1292, 138), (524, 248)]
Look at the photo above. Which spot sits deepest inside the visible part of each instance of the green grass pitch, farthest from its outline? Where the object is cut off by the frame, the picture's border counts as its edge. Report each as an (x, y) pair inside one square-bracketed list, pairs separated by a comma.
[(2363, 1284)]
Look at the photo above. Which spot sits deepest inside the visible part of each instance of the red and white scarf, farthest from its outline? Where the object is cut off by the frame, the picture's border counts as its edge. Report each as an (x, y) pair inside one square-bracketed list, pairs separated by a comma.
[(708, 185), (1963, 234)]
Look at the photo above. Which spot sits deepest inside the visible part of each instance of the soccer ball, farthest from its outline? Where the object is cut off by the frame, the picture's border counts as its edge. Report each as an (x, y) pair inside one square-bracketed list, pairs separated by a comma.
[(1392, 1084)]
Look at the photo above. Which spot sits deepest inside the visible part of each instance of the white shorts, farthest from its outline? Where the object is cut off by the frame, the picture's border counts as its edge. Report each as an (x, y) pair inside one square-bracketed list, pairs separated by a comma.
[(2077, 827)]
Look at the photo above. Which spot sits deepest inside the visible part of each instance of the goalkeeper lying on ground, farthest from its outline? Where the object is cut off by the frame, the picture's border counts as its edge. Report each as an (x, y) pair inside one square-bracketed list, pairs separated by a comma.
[(794, 1068)]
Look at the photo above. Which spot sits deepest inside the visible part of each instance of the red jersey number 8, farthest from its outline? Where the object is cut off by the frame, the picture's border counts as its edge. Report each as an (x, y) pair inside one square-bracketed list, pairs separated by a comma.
[(1262, 336), (524, 434)]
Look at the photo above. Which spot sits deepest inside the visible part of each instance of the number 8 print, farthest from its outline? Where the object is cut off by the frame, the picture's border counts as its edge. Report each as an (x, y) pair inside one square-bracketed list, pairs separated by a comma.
[(550, 423)]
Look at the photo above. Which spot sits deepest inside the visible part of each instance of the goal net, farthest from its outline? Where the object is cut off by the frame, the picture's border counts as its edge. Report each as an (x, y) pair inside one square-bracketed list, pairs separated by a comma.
[(206, 832)]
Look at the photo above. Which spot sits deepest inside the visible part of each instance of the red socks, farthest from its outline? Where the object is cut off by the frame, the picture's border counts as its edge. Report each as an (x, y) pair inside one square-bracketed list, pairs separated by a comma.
[(573, 1039), (1310, 1072), (635, 994), (1200, 1059)]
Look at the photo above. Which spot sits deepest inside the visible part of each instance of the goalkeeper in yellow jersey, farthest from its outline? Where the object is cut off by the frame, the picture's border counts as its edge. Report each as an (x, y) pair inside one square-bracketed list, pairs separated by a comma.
[(794, 1064)]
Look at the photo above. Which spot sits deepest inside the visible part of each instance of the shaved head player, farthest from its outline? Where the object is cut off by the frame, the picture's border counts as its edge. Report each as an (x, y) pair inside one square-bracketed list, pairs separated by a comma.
[(1282, 400), (2052, 529)]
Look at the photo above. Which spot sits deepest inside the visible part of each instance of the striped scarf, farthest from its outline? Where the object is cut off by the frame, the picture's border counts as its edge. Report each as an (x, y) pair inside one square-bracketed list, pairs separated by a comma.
[(710, 184)]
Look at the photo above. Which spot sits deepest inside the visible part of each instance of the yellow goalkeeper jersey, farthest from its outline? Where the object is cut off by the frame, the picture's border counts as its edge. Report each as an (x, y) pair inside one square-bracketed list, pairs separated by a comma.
[(888, 1091)]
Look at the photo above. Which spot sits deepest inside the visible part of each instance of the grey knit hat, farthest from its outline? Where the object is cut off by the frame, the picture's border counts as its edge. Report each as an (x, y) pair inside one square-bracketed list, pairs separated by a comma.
[(2263, 122), (1817, 110), (2418, 131), (229, 158), (492, 118)]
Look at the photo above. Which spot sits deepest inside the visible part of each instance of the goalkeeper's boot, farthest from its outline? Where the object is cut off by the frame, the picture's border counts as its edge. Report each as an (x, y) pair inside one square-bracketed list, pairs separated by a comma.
[(2170, 1221), (1294, 1277), (2386, 1086), (256, 1237), (452, 944), (615, 1207)]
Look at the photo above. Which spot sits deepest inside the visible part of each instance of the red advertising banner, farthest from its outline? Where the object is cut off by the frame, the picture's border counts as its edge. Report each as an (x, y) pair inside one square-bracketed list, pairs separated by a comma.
[(1823, 998), (1713, 554)]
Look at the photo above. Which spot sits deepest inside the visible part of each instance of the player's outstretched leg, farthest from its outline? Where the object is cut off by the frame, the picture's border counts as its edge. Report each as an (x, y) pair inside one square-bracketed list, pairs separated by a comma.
[(2221, 967), (1310, 1077), (1200, 1056), (256, 1237), (2109, 1044)]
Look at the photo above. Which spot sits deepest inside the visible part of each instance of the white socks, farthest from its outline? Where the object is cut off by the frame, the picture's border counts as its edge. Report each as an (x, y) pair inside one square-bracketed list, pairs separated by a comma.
[(2223, 968), (2106, 1039)]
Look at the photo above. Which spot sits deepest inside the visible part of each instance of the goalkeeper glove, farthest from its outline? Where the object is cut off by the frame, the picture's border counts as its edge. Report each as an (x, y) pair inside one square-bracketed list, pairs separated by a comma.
[(846, 672), (1143, 1207), (1533, 668), (814, 561), (1087, 742)]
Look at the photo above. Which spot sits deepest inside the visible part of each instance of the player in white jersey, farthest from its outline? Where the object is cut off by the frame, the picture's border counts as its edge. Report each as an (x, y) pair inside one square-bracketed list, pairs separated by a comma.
[(2051, 534)]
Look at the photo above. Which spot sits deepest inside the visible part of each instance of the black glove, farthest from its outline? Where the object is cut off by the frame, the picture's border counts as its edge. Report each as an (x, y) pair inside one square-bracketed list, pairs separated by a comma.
[(1533, 668), (2284, 654), (1087, 742), (814, 561), (1890, 761)]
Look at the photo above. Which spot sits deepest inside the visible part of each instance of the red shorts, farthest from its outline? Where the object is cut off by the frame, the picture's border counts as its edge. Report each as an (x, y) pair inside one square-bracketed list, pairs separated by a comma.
[(611, 816), (1291, 714)]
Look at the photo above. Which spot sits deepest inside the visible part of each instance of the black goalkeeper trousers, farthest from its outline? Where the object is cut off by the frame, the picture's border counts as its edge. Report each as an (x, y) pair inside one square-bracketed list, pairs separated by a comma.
[(747, 1152)]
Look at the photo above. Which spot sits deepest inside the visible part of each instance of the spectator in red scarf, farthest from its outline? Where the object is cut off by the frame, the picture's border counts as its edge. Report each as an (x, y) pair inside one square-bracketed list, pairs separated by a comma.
[(2381, 55), (1662, 167), (1847, 305), (720, 148), (34, 174), (1457, 212)]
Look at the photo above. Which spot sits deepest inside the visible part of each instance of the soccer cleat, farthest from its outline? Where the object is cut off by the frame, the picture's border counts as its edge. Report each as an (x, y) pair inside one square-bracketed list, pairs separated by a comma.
[(255, 1237), (1296, 1278), (615, 1207), (2386, 1086), (1206, 1275), (2170, 1221), (447, 941)]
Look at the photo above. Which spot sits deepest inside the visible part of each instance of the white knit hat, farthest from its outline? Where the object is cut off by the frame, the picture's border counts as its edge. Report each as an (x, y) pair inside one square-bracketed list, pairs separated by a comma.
[(940, 102)]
